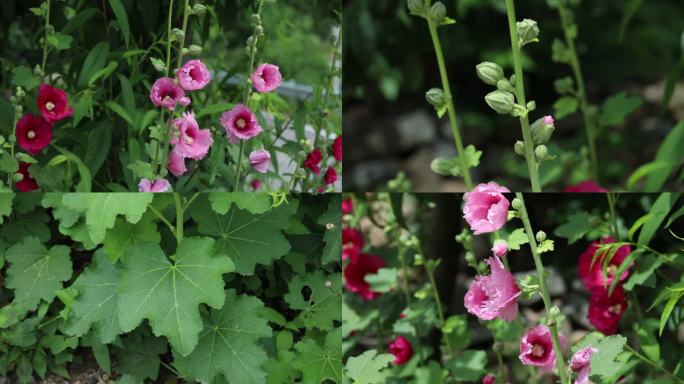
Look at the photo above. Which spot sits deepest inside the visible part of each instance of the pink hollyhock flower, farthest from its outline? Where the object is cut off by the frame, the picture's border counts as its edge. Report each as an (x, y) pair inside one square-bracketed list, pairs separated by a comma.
[(313, 160), (266, 78), (190, 141), (176, 164), (53, 103), (581, 363), (585, 186), (356, 271), (347, 206), (166, 93), (330, 176), (337, 148), (33, 133), (193, 75), (352, 243), (493, 296), (605, 311), (27, 183), (486, 208), (592, 275), (401, 348), (536, 348), (259, 160), (256, 184), (159, 185), (500, 248), (240, 123), (489, 379)]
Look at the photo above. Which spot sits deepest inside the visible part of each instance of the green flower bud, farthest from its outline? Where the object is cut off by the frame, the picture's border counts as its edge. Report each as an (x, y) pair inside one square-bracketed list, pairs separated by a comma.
[(251, 42), (528, 31), (531, 105), (489, 72), (306, 145), (417, 7), (542, 130), (255, 20), (504, 85), (517, 204), (540, 236), (199, 9), (194, 49), (259, 30), (17, 177), (435, 96), (519, 148), (177, 33), (438, 12), (541, 152), (500, 101)]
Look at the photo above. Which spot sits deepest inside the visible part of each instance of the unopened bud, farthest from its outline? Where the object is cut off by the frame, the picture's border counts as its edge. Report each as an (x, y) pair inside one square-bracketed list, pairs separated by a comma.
[(416, 7), (435, 96), (541, 152), (519, 148), (504, 85), (17, 177), (199, 9), (194, 49), (259, 30), (177, 32), (531, 105), (255, 20), (500, 101), (517, 204), (438, 12), (528, 31), (489, 72), (540, 236), (542, 130)]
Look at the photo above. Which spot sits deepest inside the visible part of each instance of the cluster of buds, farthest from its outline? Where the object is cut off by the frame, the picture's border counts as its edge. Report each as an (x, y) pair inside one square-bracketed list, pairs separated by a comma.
[(502, 100), (433, 12)]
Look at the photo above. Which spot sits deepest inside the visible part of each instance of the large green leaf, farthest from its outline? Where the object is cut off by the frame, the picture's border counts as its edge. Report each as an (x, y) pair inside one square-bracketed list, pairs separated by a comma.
[(247, 238), (332, 221), (365, 368), (320, 363), (5, 205), (670, 153), (253, 202), (139, 355), (122, 18), (27, 224), (229, 344), (125, 234), (36, 273), (321, 307), (168, 293), (94, 62)]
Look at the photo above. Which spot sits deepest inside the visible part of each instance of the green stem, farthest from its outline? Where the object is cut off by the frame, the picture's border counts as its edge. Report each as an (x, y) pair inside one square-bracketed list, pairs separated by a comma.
[(533, 374), (181, 40), (163, 219), (451, 110), (328, 88), (589, 122), (520, 96), (544, 290), (440, 310), (404, 284), (45, 43), (613, 216), (236, 185), (158, 162), (652, 363), (169, 38), (179, 217)]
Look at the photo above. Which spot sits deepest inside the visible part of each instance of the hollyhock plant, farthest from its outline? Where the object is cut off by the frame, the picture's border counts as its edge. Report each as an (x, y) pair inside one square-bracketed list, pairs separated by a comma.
[(337, 148), (330, 176), (347, 206), (176, 164), (27, 183), (256, 185), (313, 161), (500, 248), (605, 311), (33, 133), (486, 208), (401, 348), (592, 274), (581, 363), (157, 186), (193, 75), (166, 93), (585, 186), (53, 103), (189, 140), (266, 78), (495, 295), (259, 160), (352, 243), (356, 271), (240, 123), (536, 348)]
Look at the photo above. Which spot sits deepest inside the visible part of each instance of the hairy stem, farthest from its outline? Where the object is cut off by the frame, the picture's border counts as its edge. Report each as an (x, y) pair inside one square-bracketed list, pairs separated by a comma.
[(589, 122), (179, 217), (520, 96), (451, 110), (440, 309), (163, 219), (45, 42), (544, 290)]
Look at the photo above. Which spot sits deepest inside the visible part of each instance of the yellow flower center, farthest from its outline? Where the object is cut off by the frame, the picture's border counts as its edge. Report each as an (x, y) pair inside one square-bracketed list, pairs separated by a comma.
[(615, 308), (49, 106), (31, 134), (241, 123), (611, 270), (188, 140), (537, 350)]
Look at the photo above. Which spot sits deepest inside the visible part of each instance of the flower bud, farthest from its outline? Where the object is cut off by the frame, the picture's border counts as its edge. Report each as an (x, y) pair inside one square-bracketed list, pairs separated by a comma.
[(435, 96), (17, 177), (177, 33), (500, 101), (542, 130), (528, 31), (540, 236), (259, 30), (194, 49), (531, 105), (504, 85), (541, 152), (489, 72), (250, 42), (306, 145), (255, 20), (519, 148), (199, 9), (517, 204), (438, 12), (416, 7)]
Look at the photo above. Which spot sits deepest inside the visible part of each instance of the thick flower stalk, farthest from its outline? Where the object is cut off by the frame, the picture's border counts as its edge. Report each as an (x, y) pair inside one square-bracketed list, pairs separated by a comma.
[(519, 205)]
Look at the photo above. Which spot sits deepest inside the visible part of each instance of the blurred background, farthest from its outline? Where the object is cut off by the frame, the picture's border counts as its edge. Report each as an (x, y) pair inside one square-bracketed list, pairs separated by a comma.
[(389, 64)]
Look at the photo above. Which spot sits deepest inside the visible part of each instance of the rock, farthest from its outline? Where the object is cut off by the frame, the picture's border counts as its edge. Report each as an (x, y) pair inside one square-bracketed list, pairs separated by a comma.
[(414, 129)]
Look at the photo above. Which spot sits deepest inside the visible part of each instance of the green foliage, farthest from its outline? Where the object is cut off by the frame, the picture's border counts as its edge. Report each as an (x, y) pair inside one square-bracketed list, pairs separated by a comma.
[(576, 227), (366, 368)]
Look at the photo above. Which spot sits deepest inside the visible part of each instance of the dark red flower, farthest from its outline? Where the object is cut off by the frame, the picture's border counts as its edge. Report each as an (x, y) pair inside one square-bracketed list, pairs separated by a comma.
[(27, 183), (313, 160), (53, 103), (489, 379), (356, 271), (592, 275), (33, 133), (585, 186), (605, 311), (347, 206), (401, 349), (352, 243), (330, 176), (256, 184), (337, 148)]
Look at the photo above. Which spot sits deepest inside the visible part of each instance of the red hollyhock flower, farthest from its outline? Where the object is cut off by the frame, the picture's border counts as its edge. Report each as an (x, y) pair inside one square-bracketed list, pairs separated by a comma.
[(53, 103), (592, 275), (27, 183), (313, 160), (347, 206), (585, 186), (352, 243), (489, 379), (605, 311), (330, 176), (356, 271), (256, 184), (33, 133), (337, 148), (401, 349)]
